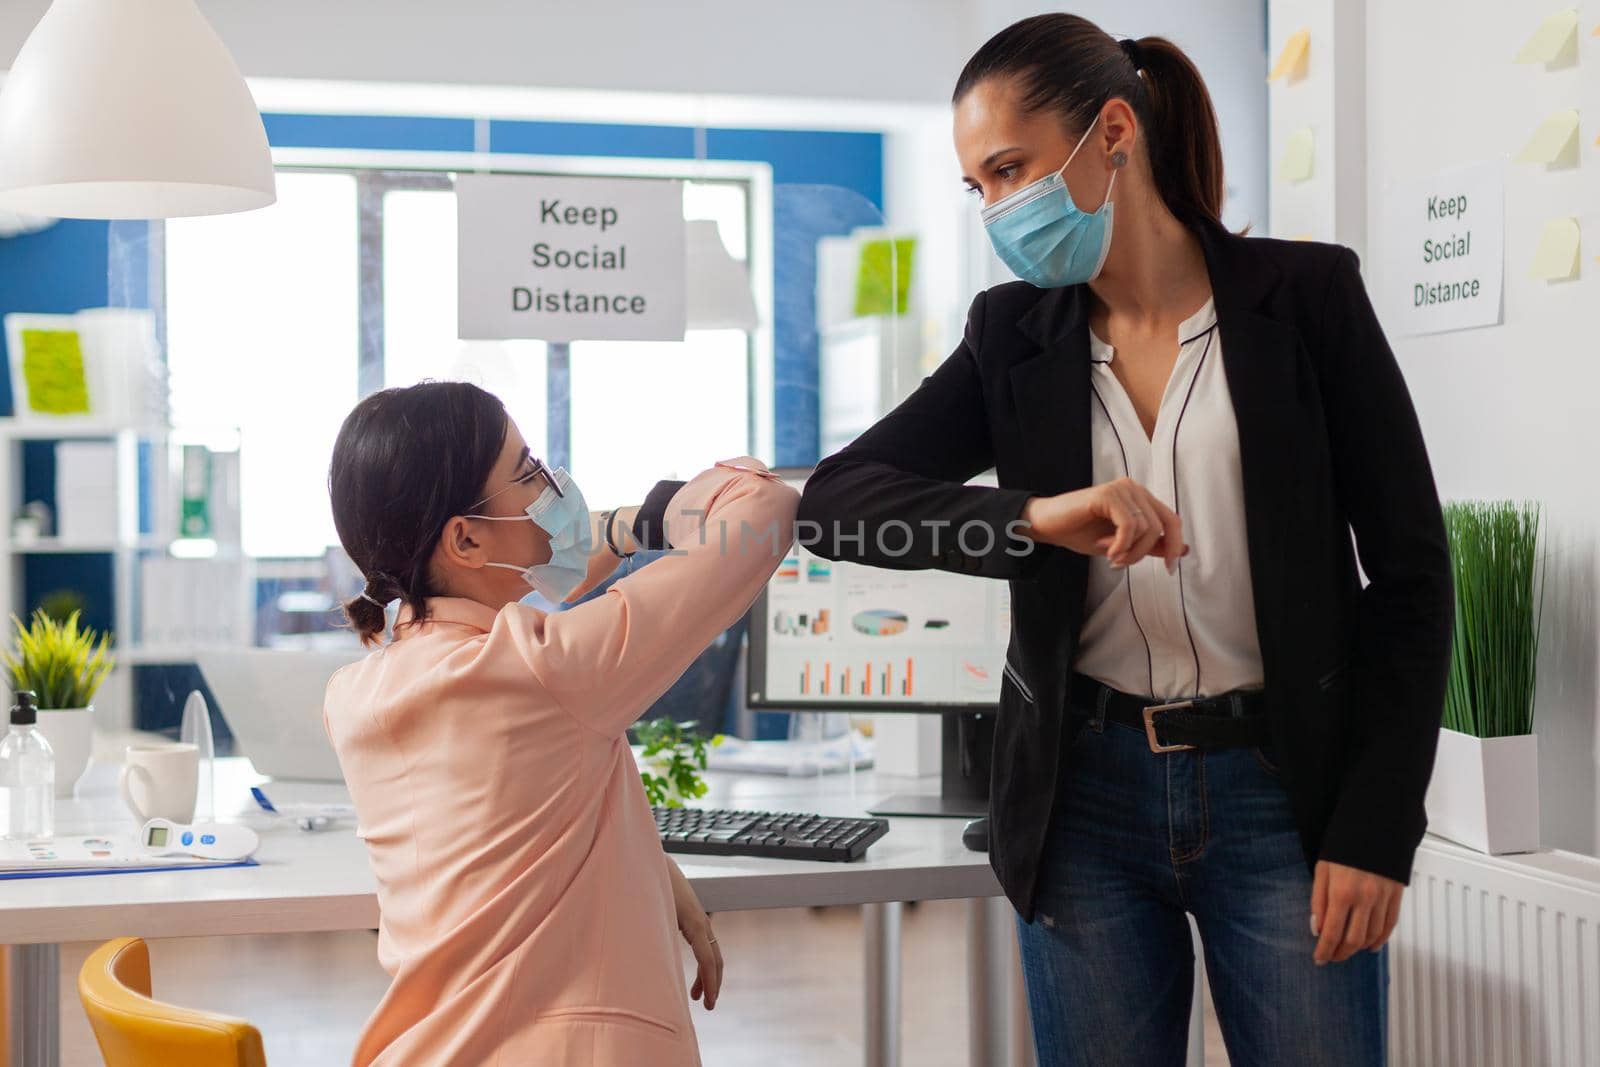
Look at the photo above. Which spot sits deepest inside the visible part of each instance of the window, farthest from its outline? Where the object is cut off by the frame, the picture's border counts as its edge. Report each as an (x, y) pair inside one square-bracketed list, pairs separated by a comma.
[(264, 317), (419, 314), (261, 312)]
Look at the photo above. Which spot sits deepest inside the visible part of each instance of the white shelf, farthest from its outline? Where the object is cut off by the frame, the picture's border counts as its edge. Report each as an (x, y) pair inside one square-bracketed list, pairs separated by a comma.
[(51, 546), (70, 427)]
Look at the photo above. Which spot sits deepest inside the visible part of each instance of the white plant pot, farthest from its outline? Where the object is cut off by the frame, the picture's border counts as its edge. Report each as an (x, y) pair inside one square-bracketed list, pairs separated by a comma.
[(1484, 792), (70, 732)]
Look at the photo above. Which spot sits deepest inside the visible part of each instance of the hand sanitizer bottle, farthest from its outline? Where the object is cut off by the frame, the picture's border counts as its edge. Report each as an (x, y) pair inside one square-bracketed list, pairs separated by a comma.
[(27, 776)]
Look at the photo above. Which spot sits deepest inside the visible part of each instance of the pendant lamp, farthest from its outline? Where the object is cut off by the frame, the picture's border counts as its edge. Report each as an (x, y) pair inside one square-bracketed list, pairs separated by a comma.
[(129, 109)]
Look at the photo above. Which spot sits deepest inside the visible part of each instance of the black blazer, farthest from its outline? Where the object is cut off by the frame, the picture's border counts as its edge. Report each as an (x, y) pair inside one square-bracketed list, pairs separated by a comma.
[(1329, 445)]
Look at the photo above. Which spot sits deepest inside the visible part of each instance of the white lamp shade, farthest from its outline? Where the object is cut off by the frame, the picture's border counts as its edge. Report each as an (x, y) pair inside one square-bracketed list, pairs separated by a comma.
[(718, 289), (129, 109)]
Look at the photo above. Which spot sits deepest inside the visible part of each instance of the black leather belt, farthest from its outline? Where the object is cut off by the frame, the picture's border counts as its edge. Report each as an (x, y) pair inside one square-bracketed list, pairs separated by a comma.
[(1230, 720)]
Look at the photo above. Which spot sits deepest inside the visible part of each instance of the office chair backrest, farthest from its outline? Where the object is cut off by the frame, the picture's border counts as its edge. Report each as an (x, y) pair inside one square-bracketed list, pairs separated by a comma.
[(136, 1031)]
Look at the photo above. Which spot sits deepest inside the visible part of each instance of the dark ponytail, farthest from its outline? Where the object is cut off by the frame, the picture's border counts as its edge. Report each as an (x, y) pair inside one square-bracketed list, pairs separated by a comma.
[(1068, 64), (405, 462)]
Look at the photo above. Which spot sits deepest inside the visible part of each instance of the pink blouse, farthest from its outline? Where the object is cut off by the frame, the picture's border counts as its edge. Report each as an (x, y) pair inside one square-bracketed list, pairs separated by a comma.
[(527, 913)]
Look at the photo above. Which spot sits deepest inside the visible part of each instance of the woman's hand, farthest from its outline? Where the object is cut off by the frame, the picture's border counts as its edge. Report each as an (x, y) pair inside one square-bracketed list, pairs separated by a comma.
[(695, 926), (1351, 909), (1121, 520), (602, 561)]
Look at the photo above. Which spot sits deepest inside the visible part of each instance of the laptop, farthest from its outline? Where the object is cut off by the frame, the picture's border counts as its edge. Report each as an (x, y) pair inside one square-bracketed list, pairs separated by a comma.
[(272, 701)]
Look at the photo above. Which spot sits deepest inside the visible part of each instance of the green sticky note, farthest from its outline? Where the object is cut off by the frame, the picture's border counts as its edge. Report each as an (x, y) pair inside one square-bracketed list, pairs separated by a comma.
[(883, 282), (52, 367)]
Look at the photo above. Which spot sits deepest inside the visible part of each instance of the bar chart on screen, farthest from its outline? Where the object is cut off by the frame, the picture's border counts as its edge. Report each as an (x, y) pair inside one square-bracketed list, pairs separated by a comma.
[(841, 632)]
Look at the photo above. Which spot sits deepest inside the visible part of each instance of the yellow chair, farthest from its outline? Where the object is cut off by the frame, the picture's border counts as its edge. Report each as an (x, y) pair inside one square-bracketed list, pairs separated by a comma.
[(136, 1031)]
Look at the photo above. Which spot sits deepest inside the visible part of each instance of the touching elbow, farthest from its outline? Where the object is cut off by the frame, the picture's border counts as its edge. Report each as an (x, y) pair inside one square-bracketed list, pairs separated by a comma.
[(772, 534)]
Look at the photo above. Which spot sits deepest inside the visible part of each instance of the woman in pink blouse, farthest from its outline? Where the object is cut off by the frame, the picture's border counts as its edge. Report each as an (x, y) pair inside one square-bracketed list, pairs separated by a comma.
[(528, 911)]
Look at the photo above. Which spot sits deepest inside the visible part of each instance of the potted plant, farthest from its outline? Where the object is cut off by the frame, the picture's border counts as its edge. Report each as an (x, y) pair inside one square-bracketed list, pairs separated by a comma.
[(63, 664), (1485, 787), (674, 754)]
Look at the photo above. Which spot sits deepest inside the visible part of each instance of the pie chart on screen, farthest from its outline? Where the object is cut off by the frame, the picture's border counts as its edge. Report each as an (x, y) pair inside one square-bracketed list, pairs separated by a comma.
[(879, 622)]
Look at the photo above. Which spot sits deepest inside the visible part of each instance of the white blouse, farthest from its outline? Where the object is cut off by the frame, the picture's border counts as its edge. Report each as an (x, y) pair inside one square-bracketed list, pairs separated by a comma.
[(1193, 633)]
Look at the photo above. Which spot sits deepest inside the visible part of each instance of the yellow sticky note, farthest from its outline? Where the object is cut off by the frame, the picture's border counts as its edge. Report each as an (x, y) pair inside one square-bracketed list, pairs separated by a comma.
[(883, 280), (1296, 163), (1555, 141), (53, 371), (1291, 62), (1556, 40), (1303, 237), (1557, 257)]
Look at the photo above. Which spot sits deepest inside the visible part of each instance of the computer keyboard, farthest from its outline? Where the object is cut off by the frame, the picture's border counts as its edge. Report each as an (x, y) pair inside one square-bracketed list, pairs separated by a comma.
[(781, 835)]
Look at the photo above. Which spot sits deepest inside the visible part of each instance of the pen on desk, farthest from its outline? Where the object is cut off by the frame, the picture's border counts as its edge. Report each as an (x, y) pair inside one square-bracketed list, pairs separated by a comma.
[(317, 821)]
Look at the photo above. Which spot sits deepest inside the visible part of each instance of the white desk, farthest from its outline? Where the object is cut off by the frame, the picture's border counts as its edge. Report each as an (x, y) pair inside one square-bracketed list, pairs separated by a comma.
[(309, 882)]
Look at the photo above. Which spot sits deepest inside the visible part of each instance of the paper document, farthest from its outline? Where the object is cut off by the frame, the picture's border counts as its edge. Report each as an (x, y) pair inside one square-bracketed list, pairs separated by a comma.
[(1555, 41), (1555, 141), (793, 758), (1296, 165), (85, 853), (1557, 257)]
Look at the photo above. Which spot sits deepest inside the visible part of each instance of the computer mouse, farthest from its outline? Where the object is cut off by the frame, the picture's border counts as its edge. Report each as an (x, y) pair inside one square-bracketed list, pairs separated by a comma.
[(976, 835)]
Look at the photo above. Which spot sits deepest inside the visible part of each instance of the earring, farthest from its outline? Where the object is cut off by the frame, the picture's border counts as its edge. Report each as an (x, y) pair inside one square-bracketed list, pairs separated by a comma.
[(1119, 159)]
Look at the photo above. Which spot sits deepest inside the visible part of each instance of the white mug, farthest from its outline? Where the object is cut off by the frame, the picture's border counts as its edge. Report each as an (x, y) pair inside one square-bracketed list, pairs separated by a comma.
[(160, 781)]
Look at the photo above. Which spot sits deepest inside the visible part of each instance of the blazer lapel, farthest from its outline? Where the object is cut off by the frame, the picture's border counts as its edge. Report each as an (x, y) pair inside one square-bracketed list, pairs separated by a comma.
[(1051, 392), (1259, 359)]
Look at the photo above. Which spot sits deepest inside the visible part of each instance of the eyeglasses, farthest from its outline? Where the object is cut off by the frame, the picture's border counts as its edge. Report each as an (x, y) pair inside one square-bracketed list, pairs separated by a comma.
[(540, 467)]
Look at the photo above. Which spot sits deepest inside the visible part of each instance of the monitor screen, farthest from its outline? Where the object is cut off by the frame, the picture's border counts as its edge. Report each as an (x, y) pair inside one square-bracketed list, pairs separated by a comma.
[(843, 636)]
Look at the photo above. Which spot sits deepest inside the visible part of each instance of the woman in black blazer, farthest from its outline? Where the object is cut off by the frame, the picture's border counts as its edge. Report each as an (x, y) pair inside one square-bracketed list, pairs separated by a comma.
[(1176, 522)]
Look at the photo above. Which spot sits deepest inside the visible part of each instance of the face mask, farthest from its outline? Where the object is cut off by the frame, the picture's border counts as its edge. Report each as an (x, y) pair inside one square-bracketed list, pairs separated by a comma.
[(1043, 237), (565, 517)]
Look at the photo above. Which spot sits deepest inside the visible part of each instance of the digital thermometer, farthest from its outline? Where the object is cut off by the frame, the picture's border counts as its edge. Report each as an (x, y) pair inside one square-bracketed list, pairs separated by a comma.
[(207, 840)]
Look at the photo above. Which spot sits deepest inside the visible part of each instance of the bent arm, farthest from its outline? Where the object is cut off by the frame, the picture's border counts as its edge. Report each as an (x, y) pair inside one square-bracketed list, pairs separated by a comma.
[(895, 497), (606, 660)]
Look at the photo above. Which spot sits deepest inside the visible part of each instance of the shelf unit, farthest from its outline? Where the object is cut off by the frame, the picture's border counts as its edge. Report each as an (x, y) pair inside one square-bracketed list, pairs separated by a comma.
[(126, 549)]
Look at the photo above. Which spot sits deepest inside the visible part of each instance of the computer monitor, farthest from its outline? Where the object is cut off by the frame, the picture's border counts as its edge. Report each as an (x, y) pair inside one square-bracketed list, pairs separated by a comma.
[(836, 636)]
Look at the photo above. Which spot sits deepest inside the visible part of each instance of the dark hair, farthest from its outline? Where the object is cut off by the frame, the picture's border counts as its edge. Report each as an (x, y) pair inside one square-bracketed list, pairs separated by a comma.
[(405, 462), (1070, 65)]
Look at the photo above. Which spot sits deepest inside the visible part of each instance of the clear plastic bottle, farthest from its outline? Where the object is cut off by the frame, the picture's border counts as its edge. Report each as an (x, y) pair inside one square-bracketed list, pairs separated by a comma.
[(27, 776)]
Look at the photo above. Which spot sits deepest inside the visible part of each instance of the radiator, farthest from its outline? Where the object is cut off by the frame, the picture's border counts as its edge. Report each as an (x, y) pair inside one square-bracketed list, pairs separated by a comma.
[(1496, 961)]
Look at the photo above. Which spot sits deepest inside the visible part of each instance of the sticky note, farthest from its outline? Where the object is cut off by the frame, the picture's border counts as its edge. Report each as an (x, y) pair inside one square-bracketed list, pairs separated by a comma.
[(1295, 165), (52, 369), (1555, 41), (1303, 237), (1555, 141), (1291, 62), (1557, 257), (883, 280)]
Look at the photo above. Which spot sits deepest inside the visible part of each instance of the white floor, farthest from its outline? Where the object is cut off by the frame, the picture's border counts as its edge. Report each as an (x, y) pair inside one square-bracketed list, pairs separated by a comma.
[(792, 994)]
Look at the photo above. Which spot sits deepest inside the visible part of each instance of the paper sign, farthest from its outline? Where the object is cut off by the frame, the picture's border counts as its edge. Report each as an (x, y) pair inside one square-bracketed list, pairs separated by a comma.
[(1556, 40), (1557, 257), (883, 282), (1555, 141), (1442, 250), (570, 259), (1298, 156), (52, 368), (1291, 62)]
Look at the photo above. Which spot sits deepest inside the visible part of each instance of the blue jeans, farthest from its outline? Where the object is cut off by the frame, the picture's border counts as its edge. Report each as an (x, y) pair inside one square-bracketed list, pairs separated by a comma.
[(1140, 839)]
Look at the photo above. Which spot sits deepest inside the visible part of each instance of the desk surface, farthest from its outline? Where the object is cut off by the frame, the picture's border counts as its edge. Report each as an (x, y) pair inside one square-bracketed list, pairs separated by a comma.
[(321, 881)]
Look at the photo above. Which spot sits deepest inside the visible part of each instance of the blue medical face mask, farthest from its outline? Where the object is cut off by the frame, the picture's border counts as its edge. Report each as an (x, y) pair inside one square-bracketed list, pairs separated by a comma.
[(1044, 237), (565, 517)]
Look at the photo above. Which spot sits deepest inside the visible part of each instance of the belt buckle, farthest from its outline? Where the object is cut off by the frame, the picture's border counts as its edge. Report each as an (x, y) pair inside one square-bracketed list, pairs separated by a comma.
[(1150, 725)]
